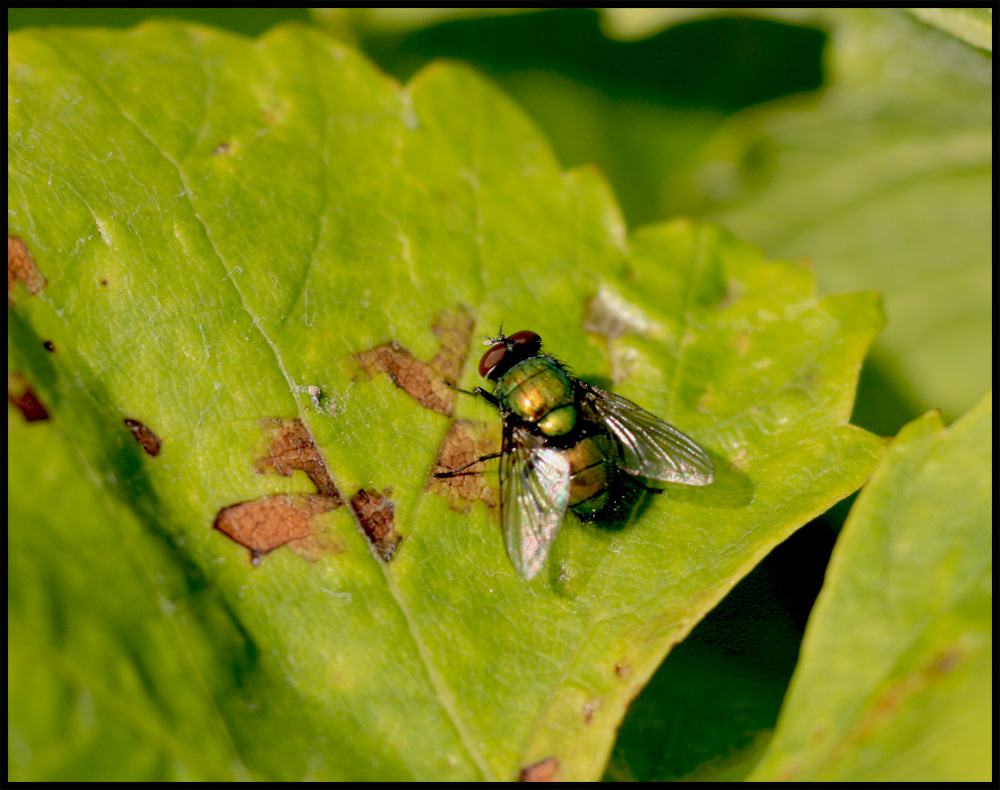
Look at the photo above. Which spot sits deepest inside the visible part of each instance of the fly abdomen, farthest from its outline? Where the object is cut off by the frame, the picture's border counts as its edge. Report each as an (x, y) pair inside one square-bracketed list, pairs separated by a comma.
[(590, 468)]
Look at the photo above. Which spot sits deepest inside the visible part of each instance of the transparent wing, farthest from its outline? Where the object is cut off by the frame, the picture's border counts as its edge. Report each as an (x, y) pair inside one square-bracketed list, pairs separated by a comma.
[(650, 447), (534, 494)]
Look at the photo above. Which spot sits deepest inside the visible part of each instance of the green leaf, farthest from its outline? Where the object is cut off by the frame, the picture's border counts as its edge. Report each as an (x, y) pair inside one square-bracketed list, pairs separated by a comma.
[(886, 182), (896, 674), (119, 658), (254, 266), (974, 25)]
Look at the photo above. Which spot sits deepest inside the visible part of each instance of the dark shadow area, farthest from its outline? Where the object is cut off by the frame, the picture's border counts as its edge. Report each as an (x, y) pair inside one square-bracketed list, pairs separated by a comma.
[(718, 694), (881, 404), (628, 499), (722, 63)]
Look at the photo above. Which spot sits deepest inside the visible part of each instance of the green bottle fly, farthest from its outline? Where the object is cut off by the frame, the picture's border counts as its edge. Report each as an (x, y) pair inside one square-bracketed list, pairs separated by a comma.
[(565, 444)]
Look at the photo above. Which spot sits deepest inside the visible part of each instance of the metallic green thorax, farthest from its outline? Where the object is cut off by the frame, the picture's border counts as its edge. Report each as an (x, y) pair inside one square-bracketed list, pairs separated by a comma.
[(538, 391)]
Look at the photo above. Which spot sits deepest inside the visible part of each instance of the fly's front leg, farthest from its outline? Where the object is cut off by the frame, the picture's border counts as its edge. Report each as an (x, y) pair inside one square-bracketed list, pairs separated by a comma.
[(491, 399), (460, 470), (487, 396), (478, 392)]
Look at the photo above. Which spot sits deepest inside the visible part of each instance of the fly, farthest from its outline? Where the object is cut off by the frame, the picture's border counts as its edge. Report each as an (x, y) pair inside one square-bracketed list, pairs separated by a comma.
[(565, 445)]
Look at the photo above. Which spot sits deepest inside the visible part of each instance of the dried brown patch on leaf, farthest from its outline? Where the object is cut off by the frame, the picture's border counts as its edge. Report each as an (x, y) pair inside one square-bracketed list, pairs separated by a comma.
[(465, 442), (454, 330), (22, 397), (290, 446), (21, 266), (376, 515), (285, 519), (417, 379), (546, 770), (884, 708), (900, 690), (149, 441), (945, 662), (268, 523), (428, 383), (623, 669)]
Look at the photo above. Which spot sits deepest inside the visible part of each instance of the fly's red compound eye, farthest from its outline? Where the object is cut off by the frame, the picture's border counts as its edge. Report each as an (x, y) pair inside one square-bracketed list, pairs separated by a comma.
[(526, 338), (527, 343), (491, 359)]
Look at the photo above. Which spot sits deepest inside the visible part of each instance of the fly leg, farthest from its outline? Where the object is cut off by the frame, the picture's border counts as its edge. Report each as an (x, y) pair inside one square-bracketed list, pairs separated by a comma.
[(487, 396), (491, 399), (649, 489), (460, 470), (478, 392)]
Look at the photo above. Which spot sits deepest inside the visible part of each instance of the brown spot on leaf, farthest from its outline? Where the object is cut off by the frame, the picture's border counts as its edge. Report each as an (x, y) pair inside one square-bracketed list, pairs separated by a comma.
[(150, 441), (895, 695), (221, 148), (945, 662), (417, 379), (454, 330), (49, 346), (426, 382), (285, 519), (266, 524), (290, 446), (589, 709), (623, 669), (21, 396), (465, 441), (376, 515), (546, 770), (21, 266)]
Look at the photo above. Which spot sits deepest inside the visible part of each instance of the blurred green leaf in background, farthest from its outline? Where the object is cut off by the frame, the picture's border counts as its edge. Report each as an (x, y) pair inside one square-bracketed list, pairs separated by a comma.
[(896, 674), (244, 272)]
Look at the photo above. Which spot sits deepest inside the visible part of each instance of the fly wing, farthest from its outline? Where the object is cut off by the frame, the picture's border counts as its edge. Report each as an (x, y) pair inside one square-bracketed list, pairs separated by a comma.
[(650, 447), (534, 494)]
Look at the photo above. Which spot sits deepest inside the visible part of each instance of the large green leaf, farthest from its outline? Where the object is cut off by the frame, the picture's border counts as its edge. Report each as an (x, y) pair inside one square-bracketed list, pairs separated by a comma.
[(265, 260), (896, 675)]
